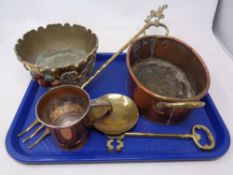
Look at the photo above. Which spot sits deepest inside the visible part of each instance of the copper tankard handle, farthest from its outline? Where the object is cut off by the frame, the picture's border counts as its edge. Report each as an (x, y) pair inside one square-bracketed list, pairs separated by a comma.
[(104, 106)]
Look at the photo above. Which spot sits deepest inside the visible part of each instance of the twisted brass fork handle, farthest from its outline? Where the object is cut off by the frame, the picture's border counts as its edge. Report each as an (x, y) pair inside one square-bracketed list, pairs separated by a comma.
[(152, 20)]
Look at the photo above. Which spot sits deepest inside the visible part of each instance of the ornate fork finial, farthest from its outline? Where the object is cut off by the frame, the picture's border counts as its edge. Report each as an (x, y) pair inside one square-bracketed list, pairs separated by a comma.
[(156, 15)]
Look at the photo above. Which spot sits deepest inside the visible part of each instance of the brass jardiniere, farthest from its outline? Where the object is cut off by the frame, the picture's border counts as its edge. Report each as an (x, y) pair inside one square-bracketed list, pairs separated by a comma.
[(58, 54)]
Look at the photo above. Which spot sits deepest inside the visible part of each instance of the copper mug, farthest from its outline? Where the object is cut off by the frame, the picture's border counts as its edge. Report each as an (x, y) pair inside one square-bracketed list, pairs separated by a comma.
[(65, 110), (162, 108)]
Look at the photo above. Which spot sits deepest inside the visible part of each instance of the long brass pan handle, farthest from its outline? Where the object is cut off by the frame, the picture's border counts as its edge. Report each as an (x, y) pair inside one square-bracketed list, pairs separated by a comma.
[(182, 105)]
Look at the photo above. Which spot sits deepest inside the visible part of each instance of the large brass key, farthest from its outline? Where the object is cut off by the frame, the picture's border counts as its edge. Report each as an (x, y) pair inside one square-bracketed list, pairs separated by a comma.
[(196, 137)]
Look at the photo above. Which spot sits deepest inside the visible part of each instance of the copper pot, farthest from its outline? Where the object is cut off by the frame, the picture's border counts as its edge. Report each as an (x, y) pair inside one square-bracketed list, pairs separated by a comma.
[(159, 107)]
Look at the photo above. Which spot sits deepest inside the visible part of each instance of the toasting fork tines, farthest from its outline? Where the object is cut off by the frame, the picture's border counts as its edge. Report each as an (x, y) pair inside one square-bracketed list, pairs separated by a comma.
[(29, 128), (32, 125)]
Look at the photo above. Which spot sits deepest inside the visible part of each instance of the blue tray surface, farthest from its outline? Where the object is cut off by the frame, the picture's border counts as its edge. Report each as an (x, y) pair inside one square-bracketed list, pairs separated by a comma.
[(113, 80)]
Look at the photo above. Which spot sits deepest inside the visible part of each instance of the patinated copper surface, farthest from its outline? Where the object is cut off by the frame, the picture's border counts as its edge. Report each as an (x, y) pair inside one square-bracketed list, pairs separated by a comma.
[(181, 55)]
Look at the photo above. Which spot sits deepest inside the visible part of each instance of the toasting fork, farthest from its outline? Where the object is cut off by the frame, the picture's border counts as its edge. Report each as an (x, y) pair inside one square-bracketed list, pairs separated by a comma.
[(29, 128)]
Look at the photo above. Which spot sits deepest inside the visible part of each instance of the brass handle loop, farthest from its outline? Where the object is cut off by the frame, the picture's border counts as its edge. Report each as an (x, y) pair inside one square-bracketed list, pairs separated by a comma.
[(156, 24), (197, 137)]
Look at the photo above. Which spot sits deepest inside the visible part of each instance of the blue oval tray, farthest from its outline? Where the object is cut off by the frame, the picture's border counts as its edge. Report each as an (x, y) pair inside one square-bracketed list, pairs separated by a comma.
[(113, 80)]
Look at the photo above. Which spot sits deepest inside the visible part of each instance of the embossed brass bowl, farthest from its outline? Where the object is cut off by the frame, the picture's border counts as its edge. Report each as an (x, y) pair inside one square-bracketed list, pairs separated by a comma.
[(58, 54)]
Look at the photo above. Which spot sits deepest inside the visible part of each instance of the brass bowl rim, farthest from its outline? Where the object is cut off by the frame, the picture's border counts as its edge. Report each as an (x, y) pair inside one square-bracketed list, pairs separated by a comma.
[(167, 98), (40, 28)]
